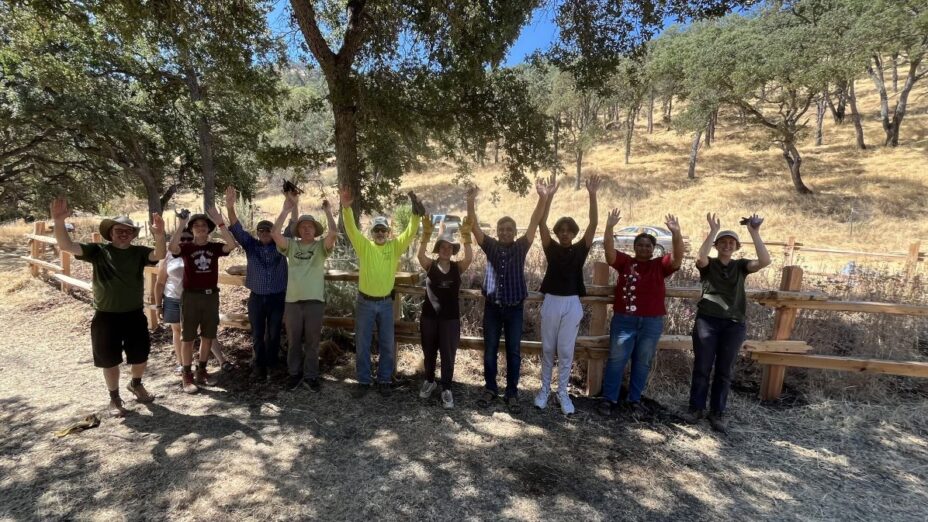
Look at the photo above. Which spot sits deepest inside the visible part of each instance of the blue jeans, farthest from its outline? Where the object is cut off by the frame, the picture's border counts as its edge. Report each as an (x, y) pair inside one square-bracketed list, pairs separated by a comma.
[(266, 314), (634, 338), (498, 319), (715, 343), (368, 315)]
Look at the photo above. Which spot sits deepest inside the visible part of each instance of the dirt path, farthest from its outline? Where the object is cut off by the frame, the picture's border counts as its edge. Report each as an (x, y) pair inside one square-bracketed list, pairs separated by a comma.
[(238, 453)]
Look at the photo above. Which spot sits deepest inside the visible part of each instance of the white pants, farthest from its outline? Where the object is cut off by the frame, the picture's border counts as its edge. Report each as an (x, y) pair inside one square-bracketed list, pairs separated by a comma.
[(560, 320)]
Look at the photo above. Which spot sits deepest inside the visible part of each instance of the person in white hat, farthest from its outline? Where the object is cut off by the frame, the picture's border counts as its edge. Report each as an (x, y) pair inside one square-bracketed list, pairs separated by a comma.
[(719, 329), (377, 258), (440, 322), (305, 297), (119, 324)]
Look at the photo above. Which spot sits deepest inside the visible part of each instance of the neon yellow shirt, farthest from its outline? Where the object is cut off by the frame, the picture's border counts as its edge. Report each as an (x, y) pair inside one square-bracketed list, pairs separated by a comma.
[(378, 263)]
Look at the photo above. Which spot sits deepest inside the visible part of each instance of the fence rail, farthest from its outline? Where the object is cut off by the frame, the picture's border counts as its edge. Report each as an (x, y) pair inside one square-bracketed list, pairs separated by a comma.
[(775, 354)]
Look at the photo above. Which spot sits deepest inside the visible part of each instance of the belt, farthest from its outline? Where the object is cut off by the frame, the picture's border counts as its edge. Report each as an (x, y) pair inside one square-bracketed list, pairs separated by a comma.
[(206, 291), (372, 298)]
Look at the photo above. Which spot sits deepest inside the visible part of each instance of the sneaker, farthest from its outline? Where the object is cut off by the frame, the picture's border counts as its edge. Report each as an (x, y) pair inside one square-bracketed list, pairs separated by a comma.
[(447, 400), (606, 408), (693, 416), (259, 374), (638, 410), (567, 406), (427, 388), (718, 421), (187, 382), (310, 384), (385, 389), (178, 370), (116, 409), (293, 381), (360, 390), (141, 394), (541, 400), (202, 377)]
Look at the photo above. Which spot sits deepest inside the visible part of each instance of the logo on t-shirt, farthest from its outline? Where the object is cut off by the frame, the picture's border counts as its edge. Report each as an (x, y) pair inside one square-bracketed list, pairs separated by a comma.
[(304, 255), (202, 259)]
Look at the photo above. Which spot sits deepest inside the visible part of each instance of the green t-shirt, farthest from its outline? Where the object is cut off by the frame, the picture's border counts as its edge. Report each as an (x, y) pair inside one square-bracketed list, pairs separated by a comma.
[(723, 289), (118, 282), (305, 270)]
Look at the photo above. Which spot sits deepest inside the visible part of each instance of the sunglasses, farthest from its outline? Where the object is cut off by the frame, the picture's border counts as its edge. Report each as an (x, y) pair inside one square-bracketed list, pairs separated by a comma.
[(264, 230), (186, 239), (380, 231)]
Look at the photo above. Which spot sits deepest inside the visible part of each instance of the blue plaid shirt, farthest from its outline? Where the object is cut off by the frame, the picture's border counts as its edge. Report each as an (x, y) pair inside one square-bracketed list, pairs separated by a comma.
[(267, 268), (504, 283)]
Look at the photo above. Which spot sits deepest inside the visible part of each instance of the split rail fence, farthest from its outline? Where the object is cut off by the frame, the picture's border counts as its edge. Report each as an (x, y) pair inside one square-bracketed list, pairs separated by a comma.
[(774, 354)]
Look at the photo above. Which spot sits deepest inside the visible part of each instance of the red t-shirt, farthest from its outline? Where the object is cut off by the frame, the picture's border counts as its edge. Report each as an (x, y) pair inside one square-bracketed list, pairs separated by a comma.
[(639, 289), (201, 264)]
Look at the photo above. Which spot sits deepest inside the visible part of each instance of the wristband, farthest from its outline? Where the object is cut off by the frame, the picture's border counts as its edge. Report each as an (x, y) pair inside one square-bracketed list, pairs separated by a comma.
[(220, 225)]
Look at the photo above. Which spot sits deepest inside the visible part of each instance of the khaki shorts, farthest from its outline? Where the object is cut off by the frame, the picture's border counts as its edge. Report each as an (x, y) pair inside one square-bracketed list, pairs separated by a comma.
[(199, 313)]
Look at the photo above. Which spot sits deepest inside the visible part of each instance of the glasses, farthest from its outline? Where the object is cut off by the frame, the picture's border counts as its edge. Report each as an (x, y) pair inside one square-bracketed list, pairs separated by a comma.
[(264, 230), (186, 239), (380, 231)]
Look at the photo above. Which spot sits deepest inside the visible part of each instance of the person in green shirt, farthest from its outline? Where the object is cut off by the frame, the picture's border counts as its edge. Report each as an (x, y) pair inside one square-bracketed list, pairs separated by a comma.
[(118, 324), (378, 259), (719, 329), (304, 303)]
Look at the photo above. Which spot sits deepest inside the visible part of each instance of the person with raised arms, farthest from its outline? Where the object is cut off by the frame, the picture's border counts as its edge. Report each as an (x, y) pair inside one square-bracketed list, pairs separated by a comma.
[(638, 311), (377, 259), (440, 322), (200, 299), (119, 324), (305, 299), (561, 311), (720, 329), (504, 292)]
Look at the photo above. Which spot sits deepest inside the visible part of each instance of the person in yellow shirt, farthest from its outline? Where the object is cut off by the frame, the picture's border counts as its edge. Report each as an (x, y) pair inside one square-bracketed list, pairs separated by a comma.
[(377, 259)]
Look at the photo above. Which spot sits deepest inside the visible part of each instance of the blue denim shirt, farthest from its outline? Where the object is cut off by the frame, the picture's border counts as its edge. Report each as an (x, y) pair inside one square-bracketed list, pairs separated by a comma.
[(267, 268), (504, 282)]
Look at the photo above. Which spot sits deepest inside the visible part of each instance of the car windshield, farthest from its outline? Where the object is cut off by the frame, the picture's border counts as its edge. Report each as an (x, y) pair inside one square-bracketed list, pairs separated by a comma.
[(627, 231)]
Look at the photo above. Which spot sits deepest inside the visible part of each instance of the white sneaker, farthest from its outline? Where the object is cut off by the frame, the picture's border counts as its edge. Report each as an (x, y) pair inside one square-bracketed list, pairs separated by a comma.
[(447, 400), (567, 406), (427, 388), (541, 400)]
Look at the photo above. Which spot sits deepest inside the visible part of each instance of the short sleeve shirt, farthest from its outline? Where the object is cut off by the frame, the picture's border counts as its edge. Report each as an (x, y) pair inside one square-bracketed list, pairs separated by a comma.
[(118, 282), (201, 265), (564, 275), (504, 282), (442, 292), (723, 289), (639, 288), (306, 273)]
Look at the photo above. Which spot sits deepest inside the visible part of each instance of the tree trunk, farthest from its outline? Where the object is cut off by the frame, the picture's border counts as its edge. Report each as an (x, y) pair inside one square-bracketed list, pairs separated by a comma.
[(204, 141), (855, 116), (710, 129), (629, 133), (152, 188), (895, 72), (794, 162), (651, 111), (892, 133), (166, 197), (579, 168), (837, 111), (820, 108), (557, 134), (347, 164), (694, 151), (496, 151)]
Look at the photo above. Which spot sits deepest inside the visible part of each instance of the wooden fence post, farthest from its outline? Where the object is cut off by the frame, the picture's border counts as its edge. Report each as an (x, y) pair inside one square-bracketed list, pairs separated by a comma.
[(598, 326), (37, 247), (151, 312), (790, 250), (911, 261), (783, 321), (65, 258)]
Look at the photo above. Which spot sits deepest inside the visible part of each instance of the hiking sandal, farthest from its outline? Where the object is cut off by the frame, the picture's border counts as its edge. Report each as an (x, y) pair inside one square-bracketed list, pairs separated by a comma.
[(512, 404), (486, 399)]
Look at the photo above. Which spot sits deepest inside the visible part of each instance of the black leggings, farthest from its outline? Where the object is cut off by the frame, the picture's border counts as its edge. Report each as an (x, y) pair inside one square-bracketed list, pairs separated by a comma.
[(440, 335)]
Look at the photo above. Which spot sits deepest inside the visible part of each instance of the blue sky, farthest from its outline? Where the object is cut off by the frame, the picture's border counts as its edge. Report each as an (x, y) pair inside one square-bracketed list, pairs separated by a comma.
[(536, 35)]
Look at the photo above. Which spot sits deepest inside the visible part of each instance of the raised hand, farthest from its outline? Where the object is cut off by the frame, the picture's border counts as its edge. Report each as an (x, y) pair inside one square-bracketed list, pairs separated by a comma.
[(345, 196), (541, 187), (672, 223), (592, 183), (552, 185), (157, 225), (231, 196), (465, 227), (472, 192), (326, 205), (753, 222), (612, 219), (215, 216), (427, 226), (417, 207), (714, 224), (59, 208)]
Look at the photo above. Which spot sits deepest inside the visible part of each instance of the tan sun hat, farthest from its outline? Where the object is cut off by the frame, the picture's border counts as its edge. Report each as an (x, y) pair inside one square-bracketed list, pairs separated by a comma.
[(106, 226), (320, 228)]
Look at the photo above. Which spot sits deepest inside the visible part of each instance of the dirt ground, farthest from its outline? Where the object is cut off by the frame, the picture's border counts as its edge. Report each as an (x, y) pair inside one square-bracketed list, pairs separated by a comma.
[(239, 452)]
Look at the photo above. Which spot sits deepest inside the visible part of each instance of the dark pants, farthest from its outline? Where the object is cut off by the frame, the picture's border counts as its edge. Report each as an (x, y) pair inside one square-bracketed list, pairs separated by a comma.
[(440, 336), (715, 343), (499, 319), (266, 314)]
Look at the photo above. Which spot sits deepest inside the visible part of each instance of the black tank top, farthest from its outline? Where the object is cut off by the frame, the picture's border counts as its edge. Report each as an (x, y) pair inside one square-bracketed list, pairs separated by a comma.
[(442, 292)]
